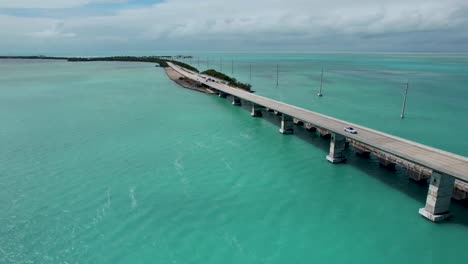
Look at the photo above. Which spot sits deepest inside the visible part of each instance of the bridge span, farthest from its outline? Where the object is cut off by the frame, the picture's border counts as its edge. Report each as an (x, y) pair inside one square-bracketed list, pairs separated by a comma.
[(445, 168)]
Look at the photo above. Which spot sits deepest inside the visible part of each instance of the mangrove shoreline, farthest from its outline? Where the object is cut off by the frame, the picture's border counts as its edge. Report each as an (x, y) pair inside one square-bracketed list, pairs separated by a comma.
[(161, 61)]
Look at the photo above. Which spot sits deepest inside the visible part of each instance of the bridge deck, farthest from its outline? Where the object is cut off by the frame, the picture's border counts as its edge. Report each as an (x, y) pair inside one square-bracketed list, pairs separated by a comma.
[(439, 160)]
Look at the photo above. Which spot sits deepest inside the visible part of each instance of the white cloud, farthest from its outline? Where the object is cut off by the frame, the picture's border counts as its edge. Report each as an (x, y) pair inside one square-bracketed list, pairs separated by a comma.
[(51, 3), (55, 31), (249, 22), (188, 18)]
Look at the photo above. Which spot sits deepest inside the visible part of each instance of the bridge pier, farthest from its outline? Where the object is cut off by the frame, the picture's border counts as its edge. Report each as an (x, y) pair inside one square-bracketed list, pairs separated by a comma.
[(461, 190), (418, 173), (310, 127), (256, 110), (222, 95), (286, 124), (337, 146), (323, 133), (298, 122), (236, 101), (386, 163), (438, 197)]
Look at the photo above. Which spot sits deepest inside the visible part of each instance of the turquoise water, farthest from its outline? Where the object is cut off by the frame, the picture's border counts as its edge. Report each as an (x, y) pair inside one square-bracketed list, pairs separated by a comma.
[(113, 163)]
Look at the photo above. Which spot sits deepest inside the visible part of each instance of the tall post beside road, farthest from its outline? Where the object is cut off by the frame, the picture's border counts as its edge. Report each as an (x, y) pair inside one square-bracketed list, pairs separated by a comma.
[(277, 74), (404, 101), (321, 82)]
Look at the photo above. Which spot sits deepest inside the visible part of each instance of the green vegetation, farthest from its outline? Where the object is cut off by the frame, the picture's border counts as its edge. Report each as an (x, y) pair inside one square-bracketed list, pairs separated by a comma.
[(231, 81), (151, 59), (161, 61), (41, 57)]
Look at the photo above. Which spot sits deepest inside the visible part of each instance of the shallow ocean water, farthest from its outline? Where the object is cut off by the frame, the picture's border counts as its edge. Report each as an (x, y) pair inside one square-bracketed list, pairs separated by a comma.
[(113, 163)]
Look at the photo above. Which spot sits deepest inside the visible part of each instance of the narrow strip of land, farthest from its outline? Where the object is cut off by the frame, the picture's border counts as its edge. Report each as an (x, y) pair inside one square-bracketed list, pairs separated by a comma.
[(186, 82)]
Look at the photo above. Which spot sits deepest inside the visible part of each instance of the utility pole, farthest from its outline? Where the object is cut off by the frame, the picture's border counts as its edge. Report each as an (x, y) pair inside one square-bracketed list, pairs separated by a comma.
[(404, 101), (321, 82), (277, 74), (198, 62), (232, 67), (221, 65)]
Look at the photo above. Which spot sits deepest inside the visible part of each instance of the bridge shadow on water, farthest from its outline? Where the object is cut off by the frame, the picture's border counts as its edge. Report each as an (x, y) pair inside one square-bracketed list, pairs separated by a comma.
[(397, 178)]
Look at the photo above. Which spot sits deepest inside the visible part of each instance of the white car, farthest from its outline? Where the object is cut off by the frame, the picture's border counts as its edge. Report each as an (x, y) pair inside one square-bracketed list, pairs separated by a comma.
[(350, 130)]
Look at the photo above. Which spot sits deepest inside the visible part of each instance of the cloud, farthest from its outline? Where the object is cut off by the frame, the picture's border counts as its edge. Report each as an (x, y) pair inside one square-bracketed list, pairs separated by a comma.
[(55, 31), (51, 3), (309, 25)]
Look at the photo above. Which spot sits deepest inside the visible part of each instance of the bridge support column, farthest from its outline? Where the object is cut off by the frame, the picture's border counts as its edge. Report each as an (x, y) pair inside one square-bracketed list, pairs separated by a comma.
[(386, 163), (418, 173), (310, 127), (222, 95), (337, 146), (256, 110), (298, 122), (323, 133), (286, 125), (236, 101), (438, 197), (461, 190)]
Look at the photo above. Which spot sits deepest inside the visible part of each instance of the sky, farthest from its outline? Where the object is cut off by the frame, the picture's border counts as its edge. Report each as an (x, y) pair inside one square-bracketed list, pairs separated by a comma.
[(93, 27)]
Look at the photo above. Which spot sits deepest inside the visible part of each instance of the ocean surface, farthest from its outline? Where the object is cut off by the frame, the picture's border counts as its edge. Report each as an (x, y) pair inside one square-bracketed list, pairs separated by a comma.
[(111, 162)]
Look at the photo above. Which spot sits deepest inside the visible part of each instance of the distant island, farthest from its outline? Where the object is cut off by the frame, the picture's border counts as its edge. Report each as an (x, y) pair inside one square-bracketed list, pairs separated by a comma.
[(159, 60)]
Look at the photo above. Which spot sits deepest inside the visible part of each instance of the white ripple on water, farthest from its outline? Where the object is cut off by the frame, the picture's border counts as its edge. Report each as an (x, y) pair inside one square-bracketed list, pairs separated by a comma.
[(73, 237), (179, 166), (226, 164), (233, 242), (201, 145), (232, 143), (101, 211), (245, 135), (184, 180), (131, 194), (3, 252)]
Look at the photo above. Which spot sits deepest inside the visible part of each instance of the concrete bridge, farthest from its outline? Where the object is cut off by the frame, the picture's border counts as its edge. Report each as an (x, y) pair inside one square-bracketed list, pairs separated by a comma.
[(448, 172)]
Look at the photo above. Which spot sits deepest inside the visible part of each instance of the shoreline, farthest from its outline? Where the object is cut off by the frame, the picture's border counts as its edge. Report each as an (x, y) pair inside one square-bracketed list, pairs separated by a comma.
[(188, 84), (160, 61)]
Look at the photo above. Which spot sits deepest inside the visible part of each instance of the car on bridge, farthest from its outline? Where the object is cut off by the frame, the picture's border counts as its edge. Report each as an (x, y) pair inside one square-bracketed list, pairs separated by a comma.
[(350, 130)]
